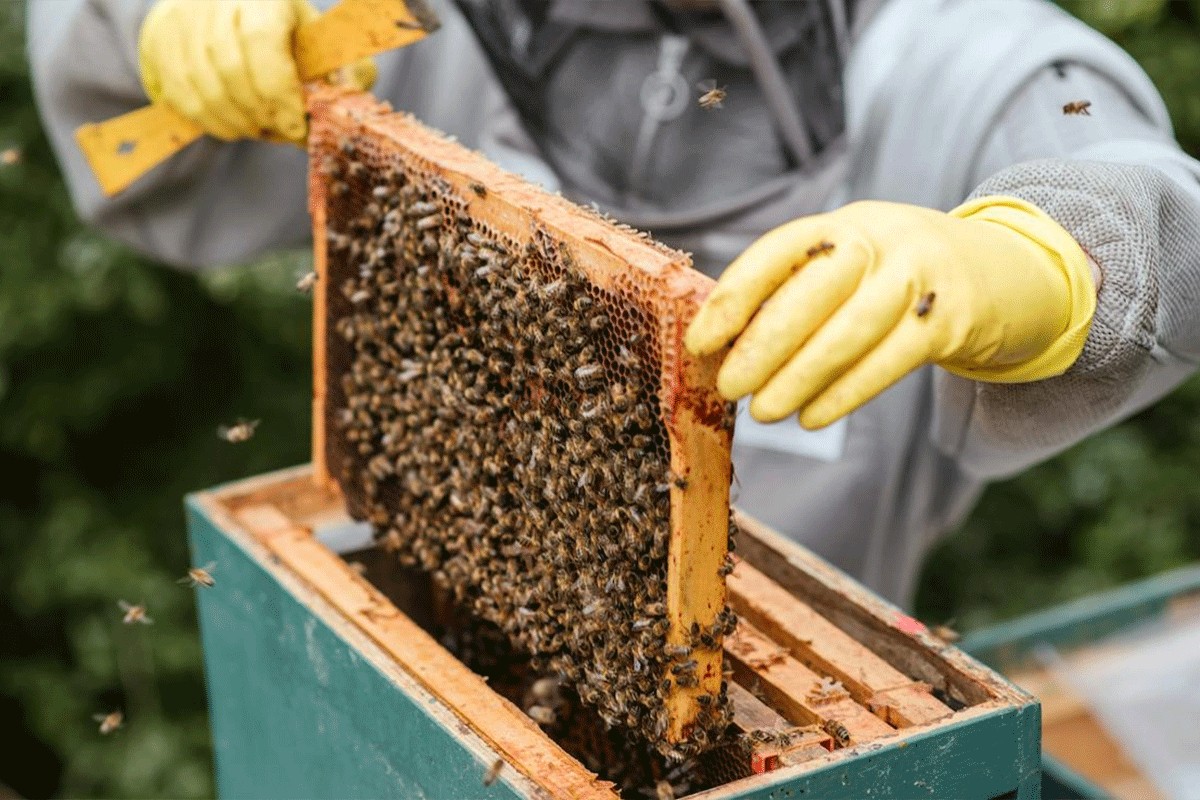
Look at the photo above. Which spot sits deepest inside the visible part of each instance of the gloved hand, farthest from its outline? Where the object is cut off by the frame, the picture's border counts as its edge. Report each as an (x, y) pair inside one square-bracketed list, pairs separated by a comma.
[(229, 66), (828, 311)]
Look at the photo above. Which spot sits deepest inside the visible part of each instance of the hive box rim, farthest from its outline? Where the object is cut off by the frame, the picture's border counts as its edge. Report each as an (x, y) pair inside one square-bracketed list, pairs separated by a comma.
[(214, 504)]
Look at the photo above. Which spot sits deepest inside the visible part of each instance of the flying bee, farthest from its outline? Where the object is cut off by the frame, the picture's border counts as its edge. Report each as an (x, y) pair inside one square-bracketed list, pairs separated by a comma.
[(199, 576), (925, 304), (1078, 107), (241, 431), (134, 614), (945, 633), (820, 248), (110, 722), (493, 772), (306, 282), (711, 95)]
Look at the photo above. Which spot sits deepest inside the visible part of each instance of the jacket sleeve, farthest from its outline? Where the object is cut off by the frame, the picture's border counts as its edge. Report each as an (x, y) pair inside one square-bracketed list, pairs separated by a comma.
[(1117, 181), (214, 202), (949, 99)]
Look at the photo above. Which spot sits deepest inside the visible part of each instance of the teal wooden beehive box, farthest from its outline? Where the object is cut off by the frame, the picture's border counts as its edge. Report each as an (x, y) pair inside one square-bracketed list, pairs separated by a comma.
[(320, 685), (1089, 767)]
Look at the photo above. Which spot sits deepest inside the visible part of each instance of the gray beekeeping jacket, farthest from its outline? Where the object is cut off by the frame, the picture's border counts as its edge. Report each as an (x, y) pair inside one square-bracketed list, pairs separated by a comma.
[(919, 101)]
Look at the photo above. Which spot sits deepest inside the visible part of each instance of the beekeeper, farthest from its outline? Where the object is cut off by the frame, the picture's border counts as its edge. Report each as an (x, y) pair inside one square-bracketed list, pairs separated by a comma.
[(1023, 269)]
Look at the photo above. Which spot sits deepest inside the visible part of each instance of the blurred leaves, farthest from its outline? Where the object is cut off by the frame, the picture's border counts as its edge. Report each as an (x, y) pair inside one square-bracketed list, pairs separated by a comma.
[(1113, 17), (114, 375)]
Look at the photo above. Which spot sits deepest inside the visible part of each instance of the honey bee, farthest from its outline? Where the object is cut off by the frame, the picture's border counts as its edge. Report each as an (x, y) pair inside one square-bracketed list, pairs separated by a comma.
[(134, 615), (945, 633), (827, 690), (199, 576), (10, 156), (820, 248), (478, 188), (110, 722), (1078, 107), (838, 731), (679, 481), (493, 772), (306, 282), (542, 715), (925, 304), (429, 222), (711, 95), (240, 431)]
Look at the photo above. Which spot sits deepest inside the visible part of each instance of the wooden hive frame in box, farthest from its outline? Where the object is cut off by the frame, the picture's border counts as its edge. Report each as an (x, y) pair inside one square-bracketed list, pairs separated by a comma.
[(619, 262)]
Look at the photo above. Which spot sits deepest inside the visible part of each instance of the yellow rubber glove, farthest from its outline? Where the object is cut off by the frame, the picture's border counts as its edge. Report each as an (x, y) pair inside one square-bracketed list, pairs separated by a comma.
[(827, 311), (228, 65)]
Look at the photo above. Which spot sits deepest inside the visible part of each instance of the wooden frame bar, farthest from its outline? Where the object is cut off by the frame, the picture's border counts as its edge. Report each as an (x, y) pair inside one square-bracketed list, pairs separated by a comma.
[(820, 645), (793, 688)]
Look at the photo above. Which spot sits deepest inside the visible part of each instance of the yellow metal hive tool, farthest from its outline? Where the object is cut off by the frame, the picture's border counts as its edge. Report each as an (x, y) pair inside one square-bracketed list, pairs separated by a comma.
[(124, 148)]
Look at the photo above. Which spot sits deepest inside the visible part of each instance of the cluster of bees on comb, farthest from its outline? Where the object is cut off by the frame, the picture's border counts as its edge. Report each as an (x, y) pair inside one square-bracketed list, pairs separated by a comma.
[(496, 416)]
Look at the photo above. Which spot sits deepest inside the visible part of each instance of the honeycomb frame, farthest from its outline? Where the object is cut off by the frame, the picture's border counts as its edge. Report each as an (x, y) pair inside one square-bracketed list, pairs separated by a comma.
[(698, 422)]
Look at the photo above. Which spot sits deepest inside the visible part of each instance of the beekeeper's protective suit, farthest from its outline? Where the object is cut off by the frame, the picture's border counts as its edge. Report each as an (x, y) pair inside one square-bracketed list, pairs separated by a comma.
[(1063, 297)]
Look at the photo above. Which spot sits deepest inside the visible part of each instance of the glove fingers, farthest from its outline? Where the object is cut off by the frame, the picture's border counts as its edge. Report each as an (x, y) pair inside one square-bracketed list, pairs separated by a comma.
[(752, 278), (150, 45), (903, 350), (267, 48), (234, 71), (178, 61), (846, 337), (219, 114), (788, 318)]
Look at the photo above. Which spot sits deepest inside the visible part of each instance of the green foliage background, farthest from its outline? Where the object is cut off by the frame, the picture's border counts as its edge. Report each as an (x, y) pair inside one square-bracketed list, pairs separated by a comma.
[(115, 372)]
